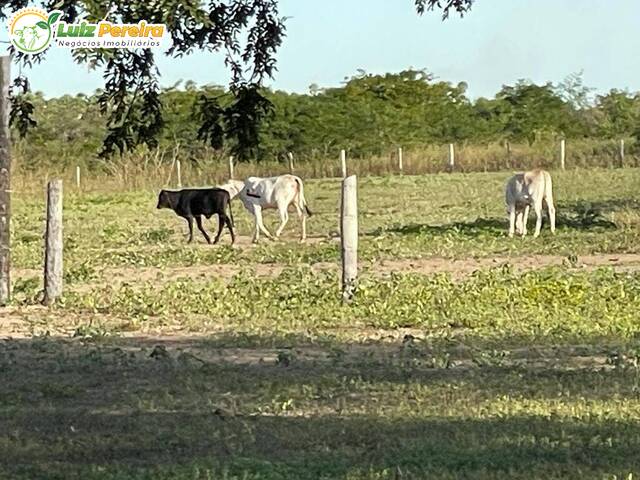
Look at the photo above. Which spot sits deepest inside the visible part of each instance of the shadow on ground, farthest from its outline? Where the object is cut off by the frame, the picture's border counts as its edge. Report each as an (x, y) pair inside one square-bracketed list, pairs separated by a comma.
[(140, 408), (579, 215)]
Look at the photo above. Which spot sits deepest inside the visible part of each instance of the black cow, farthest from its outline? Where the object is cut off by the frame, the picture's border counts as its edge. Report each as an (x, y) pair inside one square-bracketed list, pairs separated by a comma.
[(191, 203)]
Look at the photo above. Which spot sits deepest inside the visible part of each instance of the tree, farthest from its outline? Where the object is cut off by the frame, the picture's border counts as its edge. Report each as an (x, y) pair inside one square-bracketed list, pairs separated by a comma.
[(620, 113), (573, 91), (579, 100), (531, 110), (368, 114), (248, 32)]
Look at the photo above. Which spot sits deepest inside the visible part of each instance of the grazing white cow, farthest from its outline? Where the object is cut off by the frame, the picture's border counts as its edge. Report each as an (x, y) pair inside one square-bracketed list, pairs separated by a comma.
[(528, 189), (258, 194)]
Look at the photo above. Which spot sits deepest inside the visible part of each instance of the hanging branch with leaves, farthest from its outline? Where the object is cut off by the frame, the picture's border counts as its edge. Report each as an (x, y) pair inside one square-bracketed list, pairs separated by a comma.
[(459, 6)]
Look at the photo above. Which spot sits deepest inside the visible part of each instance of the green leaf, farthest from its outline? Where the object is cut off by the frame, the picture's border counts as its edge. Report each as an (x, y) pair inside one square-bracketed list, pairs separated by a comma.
[(42, 24), (53, 18)]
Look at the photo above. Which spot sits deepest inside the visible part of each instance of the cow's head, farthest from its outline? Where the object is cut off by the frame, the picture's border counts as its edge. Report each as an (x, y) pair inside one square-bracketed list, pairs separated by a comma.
[(28, 36), (234, 187), (526, 198), (164, 200), (523, 200)]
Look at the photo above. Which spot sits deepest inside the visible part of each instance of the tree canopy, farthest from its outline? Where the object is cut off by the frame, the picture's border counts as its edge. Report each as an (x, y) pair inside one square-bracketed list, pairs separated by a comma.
[(368, 115)]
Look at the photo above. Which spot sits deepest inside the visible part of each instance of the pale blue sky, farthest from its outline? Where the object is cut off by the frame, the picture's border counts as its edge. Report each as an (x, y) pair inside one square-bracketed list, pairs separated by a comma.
[(499, 42)]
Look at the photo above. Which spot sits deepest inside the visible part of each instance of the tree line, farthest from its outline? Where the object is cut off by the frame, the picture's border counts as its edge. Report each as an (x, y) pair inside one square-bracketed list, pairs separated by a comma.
[(367, 115)]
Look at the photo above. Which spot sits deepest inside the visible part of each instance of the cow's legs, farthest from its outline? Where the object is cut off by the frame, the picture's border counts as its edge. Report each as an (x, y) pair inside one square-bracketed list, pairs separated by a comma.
[(284, 218), (519, 223), (201, 228), (257, 212), (303, 220), (538, 209), (227, 220), (303, 236), (552, 213), (512, 220), (525, 219), (189, 219), (256, 232), (221, 222)]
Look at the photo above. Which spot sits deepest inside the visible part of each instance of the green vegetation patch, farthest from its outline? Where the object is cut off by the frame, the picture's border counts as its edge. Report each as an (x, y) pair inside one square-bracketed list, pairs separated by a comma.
[(552, 304)]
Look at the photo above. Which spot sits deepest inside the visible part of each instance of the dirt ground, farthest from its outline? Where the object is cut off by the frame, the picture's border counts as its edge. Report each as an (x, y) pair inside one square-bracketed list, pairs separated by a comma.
[(427, 266), (464, 267), (375, 344), (22, 322)]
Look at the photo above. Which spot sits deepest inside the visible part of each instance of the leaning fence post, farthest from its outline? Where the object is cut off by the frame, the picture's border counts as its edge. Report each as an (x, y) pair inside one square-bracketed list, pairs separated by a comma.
[(509, 161), (290, 157), (5, 181), (179, 173), (563, 152), (452, 157), (400, 159), (622, 153), (231, 167), (343, 163), (349, 236), (53, 244)]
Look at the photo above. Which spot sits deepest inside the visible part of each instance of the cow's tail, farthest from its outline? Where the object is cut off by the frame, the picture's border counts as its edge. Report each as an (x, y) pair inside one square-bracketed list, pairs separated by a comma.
[(302, 202), (233, 223)]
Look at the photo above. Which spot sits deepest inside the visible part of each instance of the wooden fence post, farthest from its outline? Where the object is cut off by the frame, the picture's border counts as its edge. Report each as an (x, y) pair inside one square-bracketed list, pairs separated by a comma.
[(349, 236), (343, 163), (622, 153), (452, 157), (179, 173), (53, 244), (78, 176), (5, 182), (563, 153), (400, 159), (231, 167), (290, 157)]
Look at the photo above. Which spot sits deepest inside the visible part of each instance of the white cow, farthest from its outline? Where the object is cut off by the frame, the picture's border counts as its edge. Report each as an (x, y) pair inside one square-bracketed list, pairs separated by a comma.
[(258, 194), (27, 36), (524, 190)]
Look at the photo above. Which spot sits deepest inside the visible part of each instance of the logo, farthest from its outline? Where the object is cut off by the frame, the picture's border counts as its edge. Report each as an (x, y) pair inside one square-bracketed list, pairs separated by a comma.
[(32, 30)]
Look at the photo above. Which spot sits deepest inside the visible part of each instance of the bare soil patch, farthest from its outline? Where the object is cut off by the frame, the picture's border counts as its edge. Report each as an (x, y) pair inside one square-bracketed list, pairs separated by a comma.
[(458, 268), (392, 348)]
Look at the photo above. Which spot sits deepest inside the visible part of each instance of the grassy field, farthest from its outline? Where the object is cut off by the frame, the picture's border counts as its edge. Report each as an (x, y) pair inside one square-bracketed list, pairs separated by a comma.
[(465, 354)]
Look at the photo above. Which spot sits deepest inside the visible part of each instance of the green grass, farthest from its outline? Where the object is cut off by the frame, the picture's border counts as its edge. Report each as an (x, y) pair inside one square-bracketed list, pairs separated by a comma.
[(550, 305), (150, 370), (454, 216), (134, 410)]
